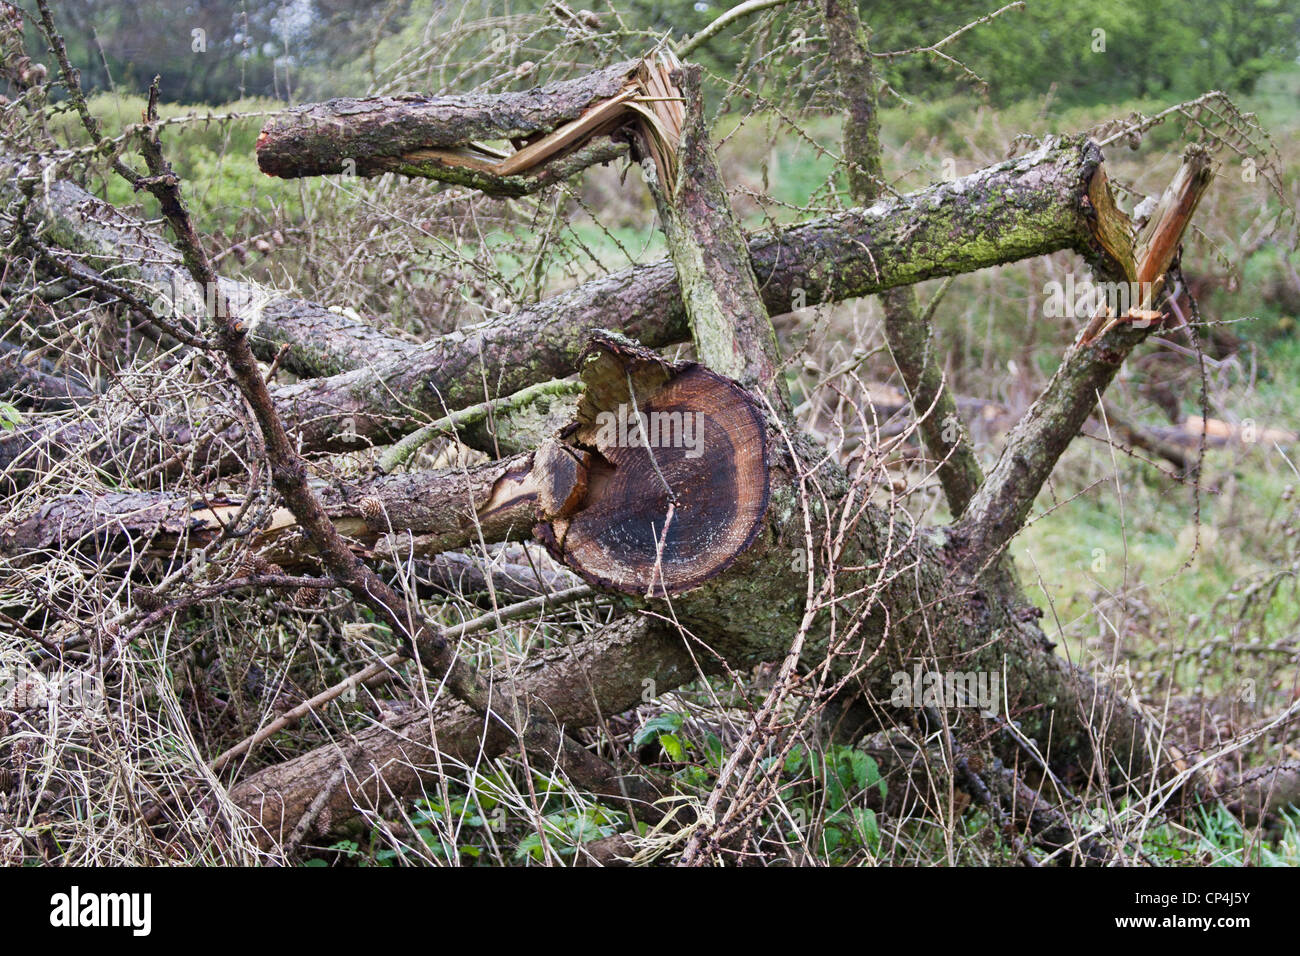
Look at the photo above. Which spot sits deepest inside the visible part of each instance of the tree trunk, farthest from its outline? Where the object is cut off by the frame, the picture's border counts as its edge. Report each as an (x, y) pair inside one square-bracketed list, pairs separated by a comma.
[(1024, 207)]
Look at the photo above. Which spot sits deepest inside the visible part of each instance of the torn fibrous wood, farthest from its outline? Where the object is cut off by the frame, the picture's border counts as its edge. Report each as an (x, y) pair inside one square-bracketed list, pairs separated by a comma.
[(662, 113), (1144, 259), (730, 324), (446, 137), (554, 131), (676, 483), (1036, 443)]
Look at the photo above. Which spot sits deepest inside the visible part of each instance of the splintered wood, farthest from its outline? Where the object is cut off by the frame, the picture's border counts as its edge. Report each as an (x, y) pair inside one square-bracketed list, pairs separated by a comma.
[(649, 95), (1145, 258)]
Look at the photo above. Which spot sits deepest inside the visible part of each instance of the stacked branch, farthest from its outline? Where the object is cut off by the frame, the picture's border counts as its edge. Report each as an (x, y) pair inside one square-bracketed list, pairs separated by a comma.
[(648, 519), (1025, 207), (749, 608)]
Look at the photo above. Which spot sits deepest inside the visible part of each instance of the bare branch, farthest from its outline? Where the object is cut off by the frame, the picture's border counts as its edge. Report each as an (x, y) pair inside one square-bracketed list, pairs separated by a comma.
[(559, 130)]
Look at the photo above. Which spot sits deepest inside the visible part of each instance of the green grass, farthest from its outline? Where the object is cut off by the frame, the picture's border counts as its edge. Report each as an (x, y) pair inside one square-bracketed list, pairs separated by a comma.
[(1217, 839)]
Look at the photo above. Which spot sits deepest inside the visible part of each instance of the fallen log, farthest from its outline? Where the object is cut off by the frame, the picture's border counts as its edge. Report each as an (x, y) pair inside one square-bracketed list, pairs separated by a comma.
[(1024, 207), (415, 514), (920, 596), (575, 685), (558, 129), (718, 536), (107, 241), (511, 576), (34, 384)]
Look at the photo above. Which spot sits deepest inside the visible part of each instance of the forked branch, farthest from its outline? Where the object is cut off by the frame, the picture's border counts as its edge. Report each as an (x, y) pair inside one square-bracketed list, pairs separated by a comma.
[(1141, 261)]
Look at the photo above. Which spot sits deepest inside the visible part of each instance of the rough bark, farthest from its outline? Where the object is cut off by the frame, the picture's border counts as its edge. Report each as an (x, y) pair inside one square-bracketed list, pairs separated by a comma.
[(1025, 207), (513, 577), (34, 384), (574, 685), (437, 137), (729, 321), (114, 244), (524, 719), (1028, 206), (928, 610), (410, 514), (1000, 506), (905, 595), (737, 612)]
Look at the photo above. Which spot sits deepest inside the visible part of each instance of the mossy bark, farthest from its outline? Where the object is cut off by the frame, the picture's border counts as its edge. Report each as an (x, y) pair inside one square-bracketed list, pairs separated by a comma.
[(1029, 206)]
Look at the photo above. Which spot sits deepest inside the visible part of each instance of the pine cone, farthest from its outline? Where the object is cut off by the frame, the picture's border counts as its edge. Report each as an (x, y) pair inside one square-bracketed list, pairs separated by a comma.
[(255, 564), (146, 599), (29, 693), (372, 509)]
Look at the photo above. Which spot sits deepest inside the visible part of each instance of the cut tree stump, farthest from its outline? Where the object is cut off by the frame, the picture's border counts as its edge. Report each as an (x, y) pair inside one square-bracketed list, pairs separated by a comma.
[(676, 482)]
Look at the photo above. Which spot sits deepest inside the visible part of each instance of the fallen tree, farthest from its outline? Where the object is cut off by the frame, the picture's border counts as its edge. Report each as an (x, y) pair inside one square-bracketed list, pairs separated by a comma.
[(741, 544), (1024, 207)]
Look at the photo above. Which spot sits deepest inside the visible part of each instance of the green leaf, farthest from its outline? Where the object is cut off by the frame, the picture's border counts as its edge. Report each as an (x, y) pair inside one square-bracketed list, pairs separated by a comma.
[(672, 745), (713, 749), (858, 761), (869, 827), (663, 724), (530, 845)]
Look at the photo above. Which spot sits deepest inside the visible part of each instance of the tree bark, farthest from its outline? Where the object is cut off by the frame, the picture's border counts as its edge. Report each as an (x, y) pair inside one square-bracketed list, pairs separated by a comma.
[(1029, 206), (112, 243), (437, 137), (418, 514), (606, 672)]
